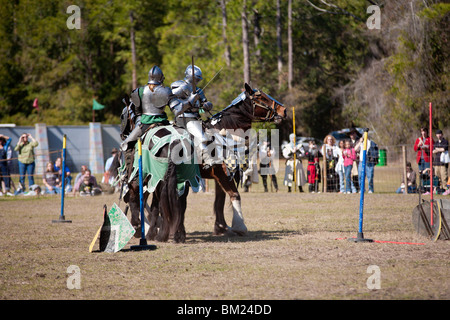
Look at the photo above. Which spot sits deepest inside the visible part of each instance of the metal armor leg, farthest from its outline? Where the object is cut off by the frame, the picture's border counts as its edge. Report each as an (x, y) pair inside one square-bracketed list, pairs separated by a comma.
[(200, 140), (134, 135)]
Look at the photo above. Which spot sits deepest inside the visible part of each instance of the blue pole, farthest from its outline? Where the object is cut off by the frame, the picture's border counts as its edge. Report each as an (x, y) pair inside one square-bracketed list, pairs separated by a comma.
[(362, 185), (143, 242), (141, 190), (63, 176), (360, 236)]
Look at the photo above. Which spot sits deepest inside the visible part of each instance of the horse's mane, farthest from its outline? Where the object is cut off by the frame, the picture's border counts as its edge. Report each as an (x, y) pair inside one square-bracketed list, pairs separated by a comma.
[(238, 116)]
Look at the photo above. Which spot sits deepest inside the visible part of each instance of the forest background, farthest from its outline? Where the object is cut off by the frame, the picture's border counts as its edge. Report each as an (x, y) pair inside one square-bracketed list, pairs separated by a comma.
[(318, 56)]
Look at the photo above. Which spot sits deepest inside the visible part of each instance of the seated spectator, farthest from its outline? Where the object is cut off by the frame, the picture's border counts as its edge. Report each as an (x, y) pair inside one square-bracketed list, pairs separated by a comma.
[(86, 186), (96, 190), (51, 180), (411, 180), (68, 177), (80, 174)]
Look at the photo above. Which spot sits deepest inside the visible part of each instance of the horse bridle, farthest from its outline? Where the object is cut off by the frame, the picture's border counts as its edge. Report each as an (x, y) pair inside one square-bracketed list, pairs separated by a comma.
[(271, 110)]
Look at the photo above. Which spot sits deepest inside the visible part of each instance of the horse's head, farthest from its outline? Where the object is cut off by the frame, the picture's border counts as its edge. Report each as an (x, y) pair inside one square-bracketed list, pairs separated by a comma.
[(265, 108)]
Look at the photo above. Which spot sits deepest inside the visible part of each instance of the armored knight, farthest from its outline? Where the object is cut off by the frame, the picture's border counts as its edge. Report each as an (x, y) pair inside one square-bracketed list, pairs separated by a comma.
[(191, 119), (150, 102)]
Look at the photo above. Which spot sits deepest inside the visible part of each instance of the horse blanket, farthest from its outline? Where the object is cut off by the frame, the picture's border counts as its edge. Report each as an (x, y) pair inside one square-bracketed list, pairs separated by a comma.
[(154, 166)]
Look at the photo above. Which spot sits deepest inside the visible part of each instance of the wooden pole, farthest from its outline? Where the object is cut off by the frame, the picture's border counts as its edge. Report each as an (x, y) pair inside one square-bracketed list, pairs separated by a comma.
[(405, 178), (295, 153)]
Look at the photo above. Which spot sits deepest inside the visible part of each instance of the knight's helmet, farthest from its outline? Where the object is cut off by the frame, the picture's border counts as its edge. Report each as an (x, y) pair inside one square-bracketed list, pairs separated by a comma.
[(197, 74), (155, 76)]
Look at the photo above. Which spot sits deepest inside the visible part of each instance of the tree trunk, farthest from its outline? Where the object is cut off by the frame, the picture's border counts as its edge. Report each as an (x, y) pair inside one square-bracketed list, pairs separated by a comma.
[(227, 53), (245, 44), (257, 35), (133, 53), (290, 48), (280, 62)]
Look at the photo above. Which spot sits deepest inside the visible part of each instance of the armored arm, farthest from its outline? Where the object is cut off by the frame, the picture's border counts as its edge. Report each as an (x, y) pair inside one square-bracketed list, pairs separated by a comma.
[(179, 106)]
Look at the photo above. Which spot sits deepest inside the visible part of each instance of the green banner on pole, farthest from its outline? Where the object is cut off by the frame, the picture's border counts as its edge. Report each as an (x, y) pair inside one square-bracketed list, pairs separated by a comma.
[(97, 106), (116, 230)]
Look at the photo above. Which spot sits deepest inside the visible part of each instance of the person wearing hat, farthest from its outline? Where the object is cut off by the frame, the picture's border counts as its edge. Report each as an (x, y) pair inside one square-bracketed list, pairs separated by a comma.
[(107, 176), (440, 150)]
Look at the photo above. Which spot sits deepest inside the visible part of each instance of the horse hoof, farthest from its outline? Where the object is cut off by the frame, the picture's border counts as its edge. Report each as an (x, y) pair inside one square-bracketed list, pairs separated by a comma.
[(238, 232)]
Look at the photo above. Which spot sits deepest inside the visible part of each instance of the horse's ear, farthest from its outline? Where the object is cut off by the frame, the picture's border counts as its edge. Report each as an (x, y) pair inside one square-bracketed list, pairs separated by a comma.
[(248, 89)]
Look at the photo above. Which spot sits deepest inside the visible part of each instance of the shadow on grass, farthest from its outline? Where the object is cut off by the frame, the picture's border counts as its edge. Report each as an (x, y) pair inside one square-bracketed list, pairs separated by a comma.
[(259, 235)]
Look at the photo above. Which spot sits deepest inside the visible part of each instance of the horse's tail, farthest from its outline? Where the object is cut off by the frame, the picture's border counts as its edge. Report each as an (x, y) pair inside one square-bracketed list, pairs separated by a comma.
[(170, 201)]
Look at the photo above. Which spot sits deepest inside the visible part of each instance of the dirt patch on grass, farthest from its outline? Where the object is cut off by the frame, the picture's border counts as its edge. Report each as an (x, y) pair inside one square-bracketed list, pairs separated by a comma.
[(294, 250)]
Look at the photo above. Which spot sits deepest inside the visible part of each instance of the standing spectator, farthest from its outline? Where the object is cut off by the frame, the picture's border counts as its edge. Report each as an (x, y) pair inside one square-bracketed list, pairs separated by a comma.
[(266, 156), (411, 180), (52, 180), (354, 138), (313, 169), (439, 148), (340, 167), (67, 174), (371, 160), (289, 150), (422, 147), (108, 177), (349, 156), (5, 178), (25, 148), (330, 151)]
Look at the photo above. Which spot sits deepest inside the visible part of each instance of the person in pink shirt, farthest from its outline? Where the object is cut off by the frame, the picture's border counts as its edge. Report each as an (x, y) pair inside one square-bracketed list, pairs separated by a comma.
[(349, 156)]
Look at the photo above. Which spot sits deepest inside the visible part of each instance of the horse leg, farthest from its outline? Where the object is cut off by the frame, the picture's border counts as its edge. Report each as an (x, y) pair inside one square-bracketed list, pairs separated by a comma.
[(154, 218), (220, 226), (237, 225), (180, 233), (132, 198)]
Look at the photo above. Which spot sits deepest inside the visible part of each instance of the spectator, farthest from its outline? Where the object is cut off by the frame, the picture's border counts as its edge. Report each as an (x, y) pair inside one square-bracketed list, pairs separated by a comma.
[(266, 156), (25, 148), (86, 186), (67, 174), (422, 147), (108, 176), (340, 167), (349, 156), (371, 160), (354, 138), (5, 178), (96, 190), (80, 174), (52, 180), (440, 147), (411, 181), (288, 151), (313, 169), (330, 151)]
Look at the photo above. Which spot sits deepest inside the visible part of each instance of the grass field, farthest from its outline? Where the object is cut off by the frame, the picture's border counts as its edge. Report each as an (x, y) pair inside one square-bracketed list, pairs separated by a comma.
[(295, 249)]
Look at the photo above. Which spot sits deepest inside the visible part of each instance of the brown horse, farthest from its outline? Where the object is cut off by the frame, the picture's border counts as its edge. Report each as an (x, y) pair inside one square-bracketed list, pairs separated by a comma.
[(250, 106)]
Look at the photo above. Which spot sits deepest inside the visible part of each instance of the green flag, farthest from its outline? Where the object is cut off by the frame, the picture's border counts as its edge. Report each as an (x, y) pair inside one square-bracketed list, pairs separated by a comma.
[(97, 106)]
